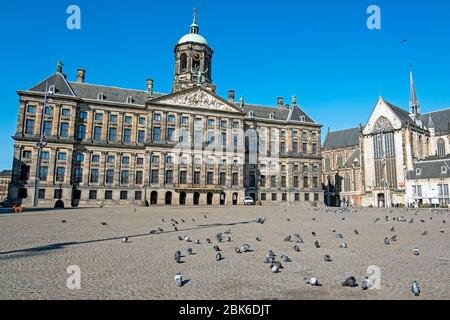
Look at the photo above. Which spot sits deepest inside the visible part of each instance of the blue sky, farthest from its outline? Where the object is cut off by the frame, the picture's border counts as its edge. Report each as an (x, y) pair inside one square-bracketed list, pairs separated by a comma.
[(321, 51)]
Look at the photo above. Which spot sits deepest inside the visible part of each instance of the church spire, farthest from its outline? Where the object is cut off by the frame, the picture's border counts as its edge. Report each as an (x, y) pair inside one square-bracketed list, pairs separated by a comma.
[(413, 102)]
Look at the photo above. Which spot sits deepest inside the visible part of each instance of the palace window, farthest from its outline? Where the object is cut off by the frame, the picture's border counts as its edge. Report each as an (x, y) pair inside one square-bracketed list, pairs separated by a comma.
[(26, 154), (29, 126), (113, 118), (31, 109), (62, 156), (124, 177), (112, 136), (48, 128), (125, 160), (171, 118), (45, 155), (183, 62), (83, 115), (97, 133), (81, 134), (94, 176), (156, 134), (60, 173), (128, 120), (95, 158), (64, 130), (99, 117), (127, 135), (347, 183), (184, 120), (142, 121), (141, 136), (171, 134), (157, 117), (109, 176), (111, 159), (139, 177)]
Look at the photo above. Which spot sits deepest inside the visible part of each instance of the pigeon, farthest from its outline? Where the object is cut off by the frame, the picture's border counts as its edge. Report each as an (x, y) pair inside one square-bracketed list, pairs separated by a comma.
[(340, 236), (153, 232), (160, 230), (317, 244), (287, 239), (258, 239), (356, 231), (227, 232), (197, 242), (229, 239), (193, 220), (386, 241), (350, 282), (296, 248), (424, 233), (313, 219), (285, 258), (441, 230), (366, 284), (415, 288), (327, 258), (237, 250), (412, 220), (190, 251), (178, 279), (288, 220), (134, 211), (175, 229), (178, 256), (187, 239), (392, 229), (416, 251), (245, 248), (344, 245), (394, 238), (208, 241), (183, 221), (343, 219), (334, 230), (219, 256), (180, 238), (443, 221), (125, 240), (216, 248), (421, 220), (313, 282), (205, 216), (104, 224), (314, 234), (163, 221), (64, 221), (274, 268)]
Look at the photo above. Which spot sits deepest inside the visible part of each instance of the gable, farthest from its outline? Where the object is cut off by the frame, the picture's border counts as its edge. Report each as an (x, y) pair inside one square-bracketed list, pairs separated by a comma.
[(196, 98), (58, 80), (382, 117)]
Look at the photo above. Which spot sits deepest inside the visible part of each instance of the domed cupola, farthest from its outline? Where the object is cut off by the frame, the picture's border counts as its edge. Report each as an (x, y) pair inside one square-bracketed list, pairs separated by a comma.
[(193, 58)]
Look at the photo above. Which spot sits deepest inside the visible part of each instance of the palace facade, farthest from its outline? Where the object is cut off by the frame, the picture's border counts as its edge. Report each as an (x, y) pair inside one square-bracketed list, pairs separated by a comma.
[(107, 145)]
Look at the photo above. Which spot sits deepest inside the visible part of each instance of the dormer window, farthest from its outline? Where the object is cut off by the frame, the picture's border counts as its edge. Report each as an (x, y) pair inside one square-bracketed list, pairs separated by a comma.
[(251, 114), (271, 116), (302, 119), (52, 89), (418, 172), (100, 96), (444, 170), (130, 100)]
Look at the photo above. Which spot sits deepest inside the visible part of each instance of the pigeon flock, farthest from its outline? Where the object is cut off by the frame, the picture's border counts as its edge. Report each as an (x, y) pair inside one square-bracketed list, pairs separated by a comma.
[(222, 251)]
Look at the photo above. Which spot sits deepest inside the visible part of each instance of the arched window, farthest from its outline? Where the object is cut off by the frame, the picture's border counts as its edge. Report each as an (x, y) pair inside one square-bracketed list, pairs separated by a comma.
[(327, 164), (441, 148), (183, 62), (340, 161), (347, 187)]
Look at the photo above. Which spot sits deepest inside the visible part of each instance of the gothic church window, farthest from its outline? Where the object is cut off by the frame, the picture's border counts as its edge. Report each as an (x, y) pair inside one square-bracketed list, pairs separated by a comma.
[(441, 148)]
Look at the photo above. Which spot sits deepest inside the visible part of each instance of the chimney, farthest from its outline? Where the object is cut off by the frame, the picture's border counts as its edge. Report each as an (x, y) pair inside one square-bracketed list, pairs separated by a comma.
[(231, 96), (150, 87), (81, 75), (280, 103)]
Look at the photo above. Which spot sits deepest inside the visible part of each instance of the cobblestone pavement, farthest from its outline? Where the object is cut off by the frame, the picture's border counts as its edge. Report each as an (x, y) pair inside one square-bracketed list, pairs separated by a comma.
[(36, 249)]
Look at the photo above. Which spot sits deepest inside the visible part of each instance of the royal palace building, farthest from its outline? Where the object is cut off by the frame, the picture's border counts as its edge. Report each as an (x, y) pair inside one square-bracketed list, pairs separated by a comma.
[(104, 145)]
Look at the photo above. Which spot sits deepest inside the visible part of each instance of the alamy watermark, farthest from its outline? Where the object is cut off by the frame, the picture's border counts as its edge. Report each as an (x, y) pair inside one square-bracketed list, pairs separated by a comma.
[(74, 280), (73, 21), (374, 20)]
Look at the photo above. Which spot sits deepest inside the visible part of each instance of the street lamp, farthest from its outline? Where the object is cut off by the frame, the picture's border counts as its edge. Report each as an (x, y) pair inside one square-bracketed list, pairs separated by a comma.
[(146, 184), (41, 144)]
